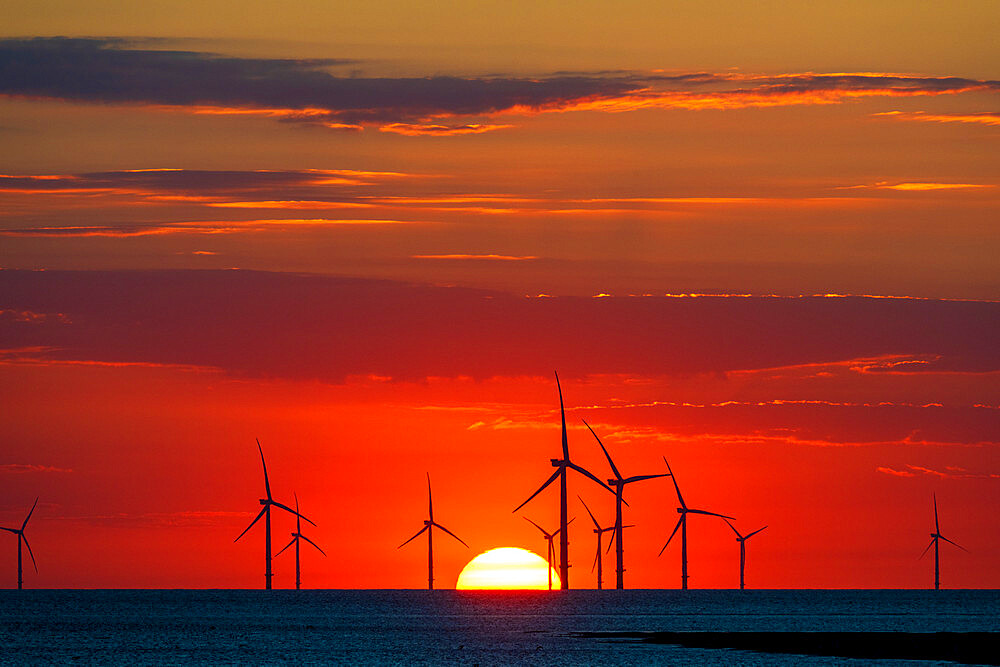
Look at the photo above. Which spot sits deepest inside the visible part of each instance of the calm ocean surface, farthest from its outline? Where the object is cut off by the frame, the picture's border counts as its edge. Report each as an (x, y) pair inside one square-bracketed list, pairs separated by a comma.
[(430, 627)]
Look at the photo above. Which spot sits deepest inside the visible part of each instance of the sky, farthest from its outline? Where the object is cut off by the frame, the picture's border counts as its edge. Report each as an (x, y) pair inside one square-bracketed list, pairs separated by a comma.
[(756, 239)]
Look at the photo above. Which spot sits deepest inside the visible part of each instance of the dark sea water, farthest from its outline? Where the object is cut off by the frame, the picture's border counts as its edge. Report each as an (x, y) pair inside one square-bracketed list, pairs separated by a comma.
[(464, 627)]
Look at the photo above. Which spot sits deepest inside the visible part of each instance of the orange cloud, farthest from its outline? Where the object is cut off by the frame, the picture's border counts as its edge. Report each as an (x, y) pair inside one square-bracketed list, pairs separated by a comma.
[(917, 187), (978, 118), (950, 472)]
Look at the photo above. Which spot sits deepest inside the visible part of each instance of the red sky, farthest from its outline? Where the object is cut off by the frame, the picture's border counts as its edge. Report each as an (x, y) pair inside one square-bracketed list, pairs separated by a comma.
[(763, 248)]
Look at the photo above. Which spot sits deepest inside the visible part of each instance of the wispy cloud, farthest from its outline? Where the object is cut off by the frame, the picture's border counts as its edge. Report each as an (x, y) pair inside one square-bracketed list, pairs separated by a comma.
[(490, 257), (976, 118), (20, 468), (416, 130), (918, 186), (207, 227), (949, 472)]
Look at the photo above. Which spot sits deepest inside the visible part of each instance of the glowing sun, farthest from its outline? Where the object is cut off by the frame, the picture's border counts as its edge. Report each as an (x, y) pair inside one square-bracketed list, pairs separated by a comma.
[(506, 568)]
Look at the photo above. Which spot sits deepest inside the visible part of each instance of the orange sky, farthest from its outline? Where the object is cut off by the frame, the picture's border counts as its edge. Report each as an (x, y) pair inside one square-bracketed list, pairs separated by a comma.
[(368, 236)]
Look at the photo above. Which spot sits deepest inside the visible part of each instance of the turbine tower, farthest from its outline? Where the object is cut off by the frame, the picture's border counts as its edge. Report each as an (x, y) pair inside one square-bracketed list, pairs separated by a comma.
[(684, 510), (743, 547), (935, 537), (561, 466), (619, 483), (296, 536), (429, 525), (599, 531), (21, 537), (551, 549), (266, 513)]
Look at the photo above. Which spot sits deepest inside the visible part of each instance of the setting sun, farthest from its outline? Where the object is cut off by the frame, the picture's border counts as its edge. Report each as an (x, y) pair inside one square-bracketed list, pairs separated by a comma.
[(507, 568)]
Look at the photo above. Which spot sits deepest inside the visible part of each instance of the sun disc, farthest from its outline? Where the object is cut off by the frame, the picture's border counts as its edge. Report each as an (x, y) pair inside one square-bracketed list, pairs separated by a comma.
[(506, 568)]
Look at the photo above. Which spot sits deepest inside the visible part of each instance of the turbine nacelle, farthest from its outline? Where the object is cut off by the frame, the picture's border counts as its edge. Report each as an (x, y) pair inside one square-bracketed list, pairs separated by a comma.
[(557, 463)]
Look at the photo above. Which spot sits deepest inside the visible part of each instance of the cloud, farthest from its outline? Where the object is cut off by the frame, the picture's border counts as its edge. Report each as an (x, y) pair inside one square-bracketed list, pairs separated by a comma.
[(975, 118), (918, 187), (501, 258), (950, 472), (19, 468), (207, 227), (116, 71)]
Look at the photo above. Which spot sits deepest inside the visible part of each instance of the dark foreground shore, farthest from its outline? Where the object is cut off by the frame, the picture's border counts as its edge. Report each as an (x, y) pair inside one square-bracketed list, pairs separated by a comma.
[(976, 648)]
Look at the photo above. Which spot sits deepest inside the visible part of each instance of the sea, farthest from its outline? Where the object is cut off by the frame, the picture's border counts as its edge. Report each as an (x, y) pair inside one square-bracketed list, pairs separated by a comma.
[(419, 627)]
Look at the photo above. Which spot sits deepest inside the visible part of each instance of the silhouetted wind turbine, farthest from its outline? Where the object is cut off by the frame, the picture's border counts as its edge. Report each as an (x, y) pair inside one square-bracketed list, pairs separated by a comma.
[(561, 466), (684, 510), (266, 513), (599, 531), (21, 537), (619, 483), (548, 538), (935, 536), (429, 525), (296, 536), (743, 547)]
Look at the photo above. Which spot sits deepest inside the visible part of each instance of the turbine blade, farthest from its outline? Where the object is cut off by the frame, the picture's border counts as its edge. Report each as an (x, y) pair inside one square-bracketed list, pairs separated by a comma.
[(639, 478), (298, 517), (267, 486), (584, 471), (10, 530), (937, 528), (950, 542), (291, 511), (33, 555), (452, 534), (536, 526), (414, 537), (736, 531), (596, 525), (560, 527), (430, 503), (286, 546), (680, 498), (707, 513), (562, 412), (606, 455), (29, 514), (540, 489), (264, 509), (313, 543), (754, 533), (924, 553), (674, 532)]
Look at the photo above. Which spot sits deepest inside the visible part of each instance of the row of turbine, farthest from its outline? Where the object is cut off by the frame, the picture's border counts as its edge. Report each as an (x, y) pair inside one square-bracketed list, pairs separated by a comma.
[(619, 483)]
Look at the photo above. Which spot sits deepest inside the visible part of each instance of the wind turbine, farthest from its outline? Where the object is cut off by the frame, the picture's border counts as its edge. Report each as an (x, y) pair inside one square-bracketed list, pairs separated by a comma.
[(548, 538), (429, 525), (619, 483), (684, 510), (561, 466), (296, 536), (266, 513), (743, 547), (599, 531), (935, 536), (21, 537)]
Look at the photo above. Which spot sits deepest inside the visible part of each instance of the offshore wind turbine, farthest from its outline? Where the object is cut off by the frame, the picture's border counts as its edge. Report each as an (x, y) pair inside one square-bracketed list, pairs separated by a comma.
[(619, 483), (429, 525), (296, 536), (935, 537), (599, 531), (561, 466), (548, 538), (743, 547), (266, 513), (684, 510), (21, 537)]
